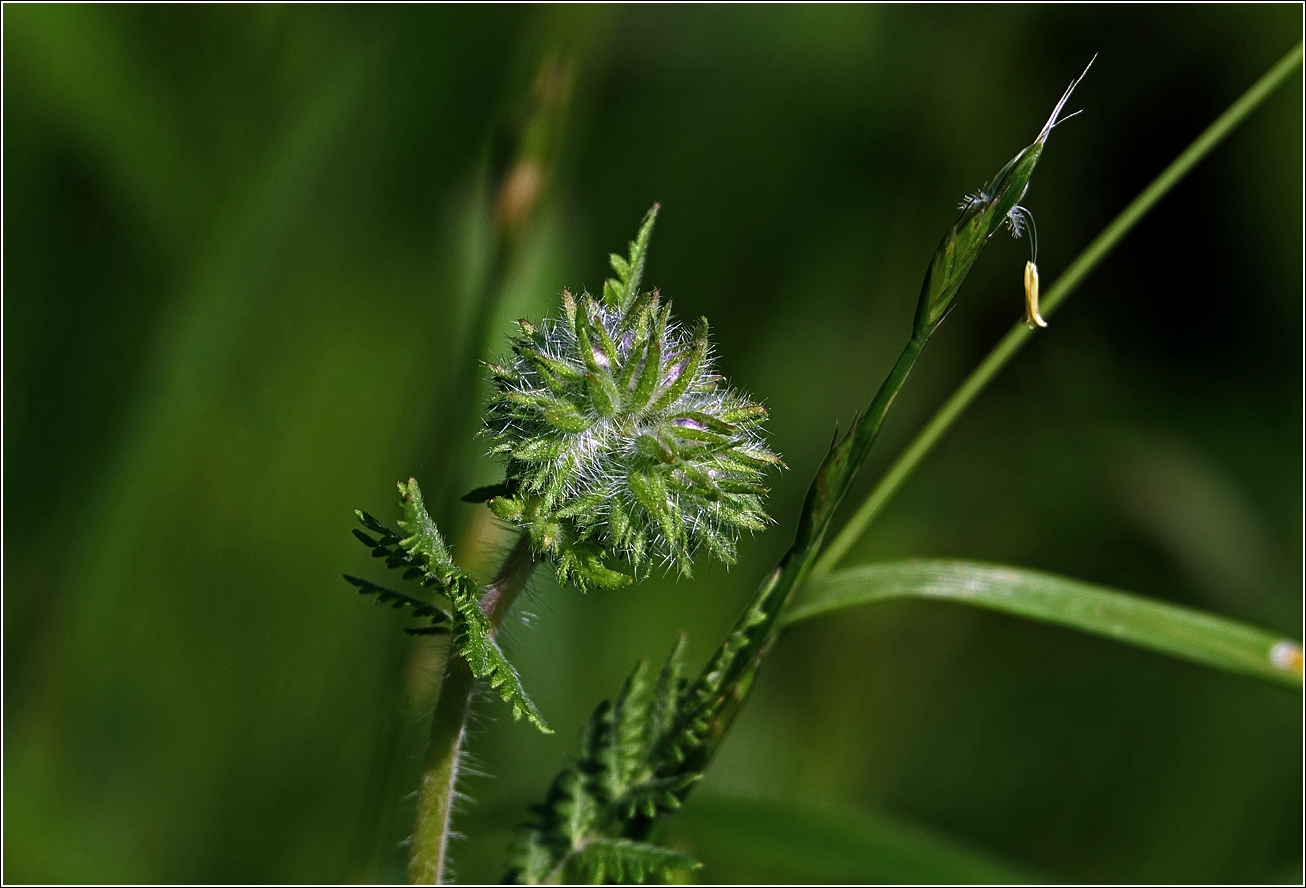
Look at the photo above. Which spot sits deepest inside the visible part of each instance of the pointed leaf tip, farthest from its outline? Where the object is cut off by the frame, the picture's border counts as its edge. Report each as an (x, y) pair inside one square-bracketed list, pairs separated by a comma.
[(618, 293)]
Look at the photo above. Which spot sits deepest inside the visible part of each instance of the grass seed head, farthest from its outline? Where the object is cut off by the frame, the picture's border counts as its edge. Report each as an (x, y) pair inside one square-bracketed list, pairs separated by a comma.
[(983, 213)]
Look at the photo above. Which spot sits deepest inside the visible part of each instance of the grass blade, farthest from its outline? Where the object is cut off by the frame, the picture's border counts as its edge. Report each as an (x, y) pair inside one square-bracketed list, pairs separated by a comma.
[(1167, 628)]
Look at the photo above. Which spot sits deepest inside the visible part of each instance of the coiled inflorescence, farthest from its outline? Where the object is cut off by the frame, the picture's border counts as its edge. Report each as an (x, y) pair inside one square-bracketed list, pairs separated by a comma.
[(619, 438)]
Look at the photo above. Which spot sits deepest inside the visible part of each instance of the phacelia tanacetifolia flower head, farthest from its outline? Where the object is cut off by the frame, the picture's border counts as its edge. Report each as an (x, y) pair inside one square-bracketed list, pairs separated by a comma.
[(620, 440)]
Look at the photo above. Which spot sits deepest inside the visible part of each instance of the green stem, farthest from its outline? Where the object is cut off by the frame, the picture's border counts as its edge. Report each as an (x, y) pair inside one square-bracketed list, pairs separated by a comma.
[(979, 379), (437, 789), (498, 597), (823, 498), (866, 432)]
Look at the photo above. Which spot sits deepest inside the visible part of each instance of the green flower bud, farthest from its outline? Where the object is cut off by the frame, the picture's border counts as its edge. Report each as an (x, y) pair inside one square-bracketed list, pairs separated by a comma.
[(620, 440)]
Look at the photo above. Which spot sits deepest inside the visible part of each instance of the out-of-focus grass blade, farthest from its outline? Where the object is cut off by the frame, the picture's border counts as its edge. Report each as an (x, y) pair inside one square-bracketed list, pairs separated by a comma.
[(741, 840), (79, 63), (1179, 631)]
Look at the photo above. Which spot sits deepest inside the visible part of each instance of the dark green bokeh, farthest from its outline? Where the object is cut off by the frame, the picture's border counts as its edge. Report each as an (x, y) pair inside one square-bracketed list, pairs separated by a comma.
[(242, 250)]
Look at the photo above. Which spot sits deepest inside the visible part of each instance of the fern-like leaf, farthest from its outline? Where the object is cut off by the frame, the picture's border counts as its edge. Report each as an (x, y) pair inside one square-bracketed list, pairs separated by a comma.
[(386, 544), (423, 555), (624, 861), (424, 543), (438, 616), (709, 705), (475, 642), (620, 292), (474, 637), (583, 830)]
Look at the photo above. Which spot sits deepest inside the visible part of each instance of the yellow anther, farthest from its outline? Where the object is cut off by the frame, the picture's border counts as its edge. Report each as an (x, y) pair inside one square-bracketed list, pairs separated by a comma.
[(1032, 318)]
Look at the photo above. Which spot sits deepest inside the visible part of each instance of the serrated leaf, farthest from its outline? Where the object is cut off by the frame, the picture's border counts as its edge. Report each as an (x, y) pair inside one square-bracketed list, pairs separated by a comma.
[(611, 783), (386, 595), (624, 860), (424, 553), (388, 536), (654, 796), (476, 645), (620, 266), (625, 722), (669, 689), (630, 271), (425, 540)]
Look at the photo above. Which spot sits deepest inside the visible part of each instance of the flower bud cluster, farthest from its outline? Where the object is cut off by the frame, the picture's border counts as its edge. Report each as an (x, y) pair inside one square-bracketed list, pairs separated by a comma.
[(620, 440)]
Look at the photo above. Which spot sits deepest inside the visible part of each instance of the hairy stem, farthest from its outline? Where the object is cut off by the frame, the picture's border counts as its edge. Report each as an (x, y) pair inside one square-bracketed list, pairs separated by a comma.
[(1005, 350), (436, 791), (499, 595)]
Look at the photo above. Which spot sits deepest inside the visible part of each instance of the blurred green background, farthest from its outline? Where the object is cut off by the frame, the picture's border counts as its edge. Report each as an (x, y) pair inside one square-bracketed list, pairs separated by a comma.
[(251, 259)]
